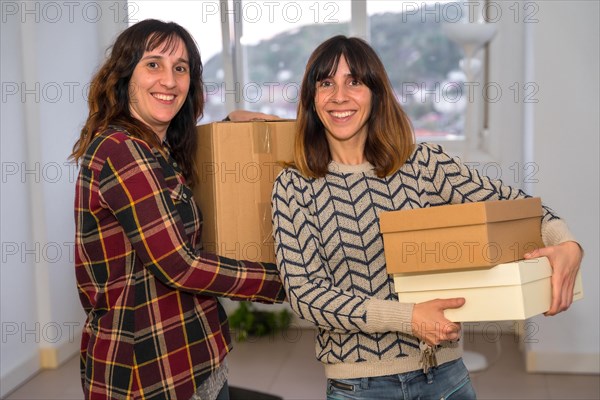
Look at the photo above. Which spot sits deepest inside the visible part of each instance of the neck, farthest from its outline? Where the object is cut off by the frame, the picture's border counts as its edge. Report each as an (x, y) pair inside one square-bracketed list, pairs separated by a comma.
[(351, 155), (348, 152), (162, 135)]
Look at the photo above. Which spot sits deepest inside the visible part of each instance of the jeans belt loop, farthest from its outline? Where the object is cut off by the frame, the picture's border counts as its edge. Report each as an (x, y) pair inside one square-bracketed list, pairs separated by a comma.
[(364, 383)]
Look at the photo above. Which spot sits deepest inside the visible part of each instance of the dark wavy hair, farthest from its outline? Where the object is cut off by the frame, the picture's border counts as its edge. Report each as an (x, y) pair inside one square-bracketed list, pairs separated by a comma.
[(108, 100), (390, 138)]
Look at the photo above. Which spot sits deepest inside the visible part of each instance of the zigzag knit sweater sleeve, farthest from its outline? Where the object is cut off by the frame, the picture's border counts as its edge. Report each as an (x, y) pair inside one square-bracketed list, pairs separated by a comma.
[(451, 181), (307, 270)]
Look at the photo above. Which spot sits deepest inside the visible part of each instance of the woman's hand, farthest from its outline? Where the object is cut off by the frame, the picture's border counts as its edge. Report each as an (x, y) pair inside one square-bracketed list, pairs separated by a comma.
[(565, 260), (429, 323), (244, 115)]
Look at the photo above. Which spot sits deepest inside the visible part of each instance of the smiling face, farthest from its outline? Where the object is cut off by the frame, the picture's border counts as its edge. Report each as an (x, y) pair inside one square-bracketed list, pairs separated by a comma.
[(159, 85), (343, 104)]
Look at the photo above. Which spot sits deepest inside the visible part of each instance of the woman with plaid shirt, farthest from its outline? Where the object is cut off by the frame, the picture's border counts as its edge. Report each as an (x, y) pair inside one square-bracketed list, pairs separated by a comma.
[(154, 328)]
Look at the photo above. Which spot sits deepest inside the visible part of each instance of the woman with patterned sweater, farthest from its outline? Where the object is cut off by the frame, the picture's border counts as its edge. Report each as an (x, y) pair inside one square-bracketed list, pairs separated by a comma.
[(355, 156), (154, 328)]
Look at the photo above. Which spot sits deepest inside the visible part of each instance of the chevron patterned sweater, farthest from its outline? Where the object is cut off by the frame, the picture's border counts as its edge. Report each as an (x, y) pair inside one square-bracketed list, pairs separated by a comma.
[(331, 261)]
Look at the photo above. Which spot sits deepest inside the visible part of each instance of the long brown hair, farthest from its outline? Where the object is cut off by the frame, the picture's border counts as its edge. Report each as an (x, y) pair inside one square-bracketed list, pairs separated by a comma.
[(108, 100), (390, 138)]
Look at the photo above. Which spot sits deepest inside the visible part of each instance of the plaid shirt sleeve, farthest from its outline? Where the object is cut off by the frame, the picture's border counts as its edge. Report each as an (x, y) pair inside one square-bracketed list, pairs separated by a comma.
[(132, 185)]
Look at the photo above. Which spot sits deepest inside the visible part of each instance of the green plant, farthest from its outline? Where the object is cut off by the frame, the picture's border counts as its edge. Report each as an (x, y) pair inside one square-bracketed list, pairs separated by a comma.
[(247, 321)]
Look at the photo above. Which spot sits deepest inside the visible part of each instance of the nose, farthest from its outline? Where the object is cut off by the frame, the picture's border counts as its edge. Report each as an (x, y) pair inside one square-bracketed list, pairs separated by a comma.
[(167, 78), (339, 94)]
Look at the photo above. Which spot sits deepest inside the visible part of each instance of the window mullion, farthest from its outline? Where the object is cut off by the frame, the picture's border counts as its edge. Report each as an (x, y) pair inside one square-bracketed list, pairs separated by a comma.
[(239, 56), (359, 21), (227, 54)]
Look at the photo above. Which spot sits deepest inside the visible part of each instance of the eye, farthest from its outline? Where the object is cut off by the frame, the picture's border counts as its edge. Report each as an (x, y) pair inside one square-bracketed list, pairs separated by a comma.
[(152, 65), (326, 83), (354, 82), (181, 68)]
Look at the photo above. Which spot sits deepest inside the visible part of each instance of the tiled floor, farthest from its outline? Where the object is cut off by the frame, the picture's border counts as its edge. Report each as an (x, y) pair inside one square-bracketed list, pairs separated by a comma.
[(285, 365)]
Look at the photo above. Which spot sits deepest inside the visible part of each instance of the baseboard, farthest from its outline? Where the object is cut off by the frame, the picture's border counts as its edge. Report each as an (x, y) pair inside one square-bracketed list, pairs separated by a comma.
[(563, 363), (53, 357)]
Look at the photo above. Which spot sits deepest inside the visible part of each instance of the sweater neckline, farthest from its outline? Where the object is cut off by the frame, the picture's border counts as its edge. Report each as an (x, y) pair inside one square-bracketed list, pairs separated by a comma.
[(349, 169)]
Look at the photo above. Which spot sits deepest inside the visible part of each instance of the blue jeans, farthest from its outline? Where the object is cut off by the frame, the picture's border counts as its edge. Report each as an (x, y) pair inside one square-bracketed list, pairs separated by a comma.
[(447, 381), (224, 393)]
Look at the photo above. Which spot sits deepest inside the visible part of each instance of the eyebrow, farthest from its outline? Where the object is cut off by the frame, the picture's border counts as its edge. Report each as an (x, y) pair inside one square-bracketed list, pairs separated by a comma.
[(158, 57), (348, 75)]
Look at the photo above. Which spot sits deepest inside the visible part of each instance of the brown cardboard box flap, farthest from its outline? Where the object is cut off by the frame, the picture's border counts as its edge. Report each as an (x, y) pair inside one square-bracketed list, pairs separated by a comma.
[(459, 214)]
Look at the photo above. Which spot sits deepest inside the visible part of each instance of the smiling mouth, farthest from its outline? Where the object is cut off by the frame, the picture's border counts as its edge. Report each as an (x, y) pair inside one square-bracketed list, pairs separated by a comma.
[(341, 114), (164, 97)]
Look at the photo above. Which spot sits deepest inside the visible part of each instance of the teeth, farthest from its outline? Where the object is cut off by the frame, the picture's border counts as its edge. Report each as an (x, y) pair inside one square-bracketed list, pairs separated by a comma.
[(166, 97), (342, 114)]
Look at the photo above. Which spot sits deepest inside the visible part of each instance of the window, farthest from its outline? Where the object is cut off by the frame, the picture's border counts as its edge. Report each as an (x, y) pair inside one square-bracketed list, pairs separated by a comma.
[(276, 57), (267, 44), (422, 63)]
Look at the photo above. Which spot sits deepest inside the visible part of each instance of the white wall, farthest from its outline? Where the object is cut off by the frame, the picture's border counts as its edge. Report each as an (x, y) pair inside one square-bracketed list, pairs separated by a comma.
[(17, 276), (566, 131), (49, 51)]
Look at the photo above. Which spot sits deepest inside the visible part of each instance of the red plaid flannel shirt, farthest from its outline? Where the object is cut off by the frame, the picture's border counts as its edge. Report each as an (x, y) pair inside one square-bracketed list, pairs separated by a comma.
[(154, 327)]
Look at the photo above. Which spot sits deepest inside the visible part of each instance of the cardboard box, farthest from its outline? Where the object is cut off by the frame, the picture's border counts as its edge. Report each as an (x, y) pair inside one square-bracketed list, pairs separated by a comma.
[(511, 291), (237, 163), (460, 236)]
